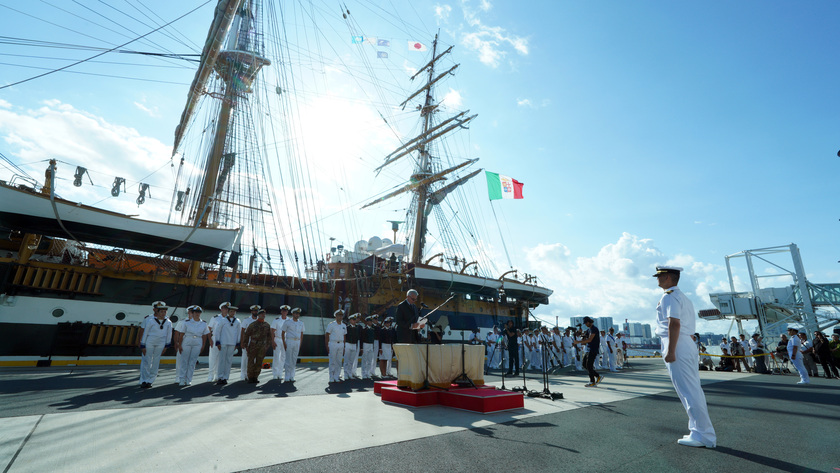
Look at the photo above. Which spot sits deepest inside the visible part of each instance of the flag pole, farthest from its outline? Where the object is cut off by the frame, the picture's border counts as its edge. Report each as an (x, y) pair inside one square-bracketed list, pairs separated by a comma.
[(501, 235)]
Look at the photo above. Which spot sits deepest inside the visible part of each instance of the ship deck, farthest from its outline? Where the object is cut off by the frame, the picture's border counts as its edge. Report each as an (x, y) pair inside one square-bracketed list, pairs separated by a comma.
[(97, 419)]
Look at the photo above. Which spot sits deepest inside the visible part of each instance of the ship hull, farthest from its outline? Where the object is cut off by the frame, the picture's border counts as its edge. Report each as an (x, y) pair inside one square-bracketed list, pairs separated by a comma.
[(41, 323)]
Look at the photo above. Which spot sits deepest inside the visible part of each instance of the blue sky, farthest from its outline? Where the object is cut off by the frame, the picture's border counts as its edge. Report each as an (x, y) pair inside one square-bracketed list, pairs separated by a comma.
[(645, 132)]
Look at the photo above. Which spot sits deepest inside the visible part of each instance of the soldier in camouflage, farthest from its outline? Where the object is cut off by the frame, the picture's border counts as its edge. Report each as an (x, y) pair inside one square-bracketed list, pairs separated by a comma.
[(257, 339)]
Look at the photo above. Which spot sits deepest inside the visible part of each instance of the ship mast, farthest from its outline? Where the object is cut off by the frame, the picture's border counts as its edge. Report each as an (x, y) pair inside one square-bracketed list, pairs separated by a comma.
[(237, 66), (423, 169), (425, 174)]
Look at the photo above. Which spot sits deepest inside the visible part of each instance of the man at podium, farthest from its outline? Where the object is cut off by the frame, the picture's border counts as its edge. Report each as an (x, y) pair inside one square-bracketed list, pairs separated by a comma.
[(408, 315)]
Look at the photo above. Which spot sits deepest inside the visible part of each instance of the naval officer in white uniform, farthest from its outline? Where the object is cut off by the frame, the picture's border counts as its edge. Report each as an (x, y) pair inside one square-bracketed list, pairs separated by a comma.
[(796, 356), (278, 358), (675, 324), (157, 336), (213, 354)]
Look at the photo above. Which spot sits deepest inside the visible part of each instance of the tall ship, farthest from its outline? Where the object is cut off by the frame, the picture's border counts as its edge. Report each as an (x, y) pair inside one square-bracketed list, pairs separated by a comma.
[(76, 280)]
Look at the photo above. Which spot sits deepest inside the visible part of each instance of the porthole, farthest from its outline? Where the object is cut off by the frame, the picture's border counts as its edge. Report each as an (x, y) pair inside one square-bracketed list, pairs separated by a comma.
[(57, 313), (120, 316), (173, 319)]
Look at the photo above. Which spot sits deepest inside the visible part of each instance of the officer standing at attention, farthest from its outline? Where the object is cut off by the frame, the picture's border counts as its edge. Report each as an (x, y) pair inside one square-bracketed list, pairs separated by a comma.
[(257, 339), (351, 347), (157, 336), (243, 357), (213, 354), (612, 348), (368, 355), (292, 335), (228, 338), (675, 324), (334, 339), (278, 358), (193, 337), (386, 347)]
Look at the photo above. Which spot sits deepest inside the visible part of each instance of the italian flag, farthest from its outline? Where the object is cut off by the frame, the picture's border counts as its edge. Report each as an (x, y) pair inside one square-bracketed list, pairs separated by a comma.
[(503, 187)]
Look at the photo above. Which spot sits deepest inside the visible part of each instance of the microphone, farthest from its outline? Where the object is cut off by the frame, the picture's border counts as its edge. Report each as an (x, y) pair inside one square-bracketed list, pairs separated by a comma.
[(423, 305)]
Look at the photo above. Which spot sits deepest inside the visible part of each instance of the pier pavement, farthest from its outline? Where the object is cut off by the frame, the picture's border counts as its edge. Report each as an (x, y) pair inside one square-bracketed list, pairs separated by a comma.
[(96, 419)]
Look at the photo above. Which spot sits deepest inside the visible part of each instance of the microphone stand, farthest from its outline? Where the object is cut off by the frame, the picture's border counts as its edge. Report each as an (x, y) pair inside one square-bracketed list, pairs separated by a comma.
[(426, 384)]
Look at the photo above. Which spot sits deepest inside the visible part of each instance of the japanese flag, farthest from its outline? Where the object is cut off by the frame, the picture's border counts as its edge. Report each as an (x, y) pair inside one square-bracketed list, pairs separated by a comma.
[(416, 46)]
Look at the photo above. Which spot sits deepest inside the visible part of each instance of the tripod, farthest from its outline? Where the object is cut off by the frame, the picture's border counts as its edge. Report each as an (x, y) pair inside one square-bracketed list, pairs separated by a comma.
[(546, 393)]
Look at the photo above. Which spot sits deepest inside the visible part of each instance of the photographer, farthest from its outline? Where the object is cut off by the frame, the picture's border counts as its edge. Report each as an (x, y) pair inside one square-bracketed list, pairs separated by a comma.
[(757, 348)]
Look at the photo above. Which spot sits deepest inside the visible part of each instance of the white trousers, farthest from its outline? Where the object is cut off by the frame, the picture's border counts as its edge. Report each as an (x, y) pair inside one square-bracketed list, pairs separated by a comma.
[(368, 359), (243, 364), (797, 363), (387, 352), (375, 358), (191, 347), (336, 354), (213, 361), (536, 359), (150, 362), (292, 350), (178, 364), (686, 378), (225, 359), (568, 356), (351, 358), (355, 367), (278, 359), (612, 361)]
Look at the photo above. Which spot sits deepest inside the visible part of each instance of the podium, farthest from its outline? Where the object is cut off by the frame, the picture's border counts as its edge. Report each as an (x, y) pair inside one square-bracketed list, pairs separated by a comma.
[(444, 364)]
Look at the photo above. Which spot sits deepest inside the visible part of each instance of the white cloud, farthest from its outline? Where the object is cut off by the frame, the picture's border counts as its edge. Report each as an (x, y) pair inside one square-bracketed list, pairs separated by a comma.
[(152, 112), (492, 43), (78, 138), (4, 104), (442, 12), (530, 104), (616, 282), (453, 99)]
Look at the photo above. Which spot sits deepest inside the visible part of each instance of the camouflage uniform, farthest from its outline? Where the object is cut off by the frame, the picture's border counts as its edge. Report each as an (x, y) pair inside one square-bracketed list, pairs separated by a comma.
[(258, 339)]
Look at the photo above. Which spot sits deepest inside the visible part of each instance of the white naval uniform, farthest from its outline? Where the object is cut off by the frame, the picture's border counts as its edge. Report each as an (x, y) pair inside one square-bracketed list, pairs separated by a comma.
[(611, 355), (568, 350), (229, 334), (747, 351), (193, 332), (368, 357), (536, 353), (293, 333), (355, 368), (557, 348), (579, 351), (213, 353), (603, 352), (157, 335), (278, 357), (336, 331), (794, 345), (178, 358), (243, 359), (493, 353), (683, 371)]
